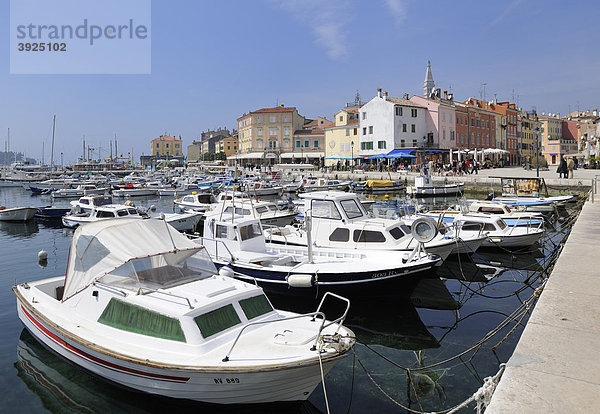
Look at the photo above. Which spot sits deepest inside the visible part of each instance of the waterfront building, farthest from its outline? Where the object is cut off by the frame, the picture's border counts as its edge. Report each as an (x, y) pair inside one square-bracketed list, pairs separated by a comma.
[(529, 122), (551, 133), (265, 133), (342, 137), (309, 142), (165, 146), (588, 132), (475, 125), (387, 123), (440, 119), (508, 122), (227, 145)]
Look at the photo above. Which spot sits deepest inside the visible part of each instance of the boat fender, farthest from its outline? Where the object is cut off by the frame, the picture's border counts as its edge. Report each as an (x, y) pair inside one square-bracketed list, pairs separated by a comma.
[(2, 208), (301, 280), (43, 255), (226, 271)]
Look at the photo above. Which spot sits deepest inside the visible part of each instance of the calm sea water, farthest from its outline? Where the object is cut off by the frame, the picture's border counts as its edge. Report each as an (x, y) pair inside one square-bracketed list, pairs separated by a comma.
[(432, 320)]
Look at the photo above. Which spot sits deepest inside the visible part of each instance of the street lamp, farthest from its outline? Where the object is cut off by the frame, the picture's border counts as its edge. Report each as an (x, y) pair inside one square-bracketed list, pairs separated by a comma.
[(537, 152), (352, 148)]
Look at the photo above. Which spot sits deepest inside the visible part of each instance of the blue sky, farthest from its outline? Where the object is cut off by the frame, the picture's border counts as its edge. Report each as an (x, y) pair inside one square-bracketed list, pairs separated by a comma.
[(213, 61)]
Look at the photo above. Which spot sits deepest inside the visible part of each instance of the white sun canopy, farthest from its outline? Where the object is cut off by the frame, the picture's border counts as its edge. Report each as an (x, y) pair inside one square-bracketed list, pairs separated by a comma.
[(100, 247)]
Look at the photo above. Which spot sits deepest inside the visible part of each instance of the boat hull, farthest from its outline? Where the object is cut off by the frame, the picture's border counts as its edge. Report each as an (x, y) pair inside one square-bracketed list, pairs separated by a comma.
[(17, 214), (226, 385), (520, 240), (389, 282)]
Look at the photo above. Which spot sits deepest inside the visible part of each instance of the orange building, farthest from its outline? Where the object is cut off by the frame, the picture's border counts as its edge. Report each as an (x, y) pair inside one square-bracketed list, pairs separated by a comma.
[(475, 127)]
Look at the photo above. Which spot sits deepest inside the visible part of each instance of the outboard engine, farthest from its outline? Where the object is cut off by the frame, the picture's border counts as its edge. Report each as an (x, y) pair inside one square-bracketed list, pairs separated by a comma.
[(490, 196)]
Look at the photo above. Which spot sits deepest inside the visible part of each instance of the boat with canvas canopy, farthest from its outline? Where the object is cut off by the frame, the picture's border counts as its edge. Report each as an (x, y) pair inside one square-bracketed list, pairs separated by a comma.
[(143, 306)]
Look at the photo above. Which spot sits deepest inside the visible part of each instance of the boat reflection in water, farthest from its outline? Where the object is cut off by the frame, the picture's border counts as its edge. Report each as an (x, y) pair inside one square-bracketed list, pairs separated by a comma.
[(19, 229), (61, 388)]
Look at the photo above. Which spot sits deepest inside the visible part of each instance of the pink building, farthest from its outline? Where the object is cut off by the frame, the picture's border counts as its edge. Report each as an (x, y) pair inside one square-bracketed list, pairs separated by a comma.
[(440, 120)]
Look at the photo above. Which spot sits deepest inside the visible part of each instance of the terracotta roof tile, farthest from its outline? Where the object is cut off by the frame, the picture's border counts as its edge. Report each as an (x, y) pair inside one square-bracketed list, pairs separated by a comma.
[(275, 109)]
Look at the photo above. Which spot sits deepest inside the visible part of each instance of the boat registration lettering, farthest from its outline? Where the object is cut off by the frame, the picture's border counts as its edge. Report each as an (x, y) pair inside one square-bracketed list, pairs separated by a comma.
[(383, 274), (227, 380)]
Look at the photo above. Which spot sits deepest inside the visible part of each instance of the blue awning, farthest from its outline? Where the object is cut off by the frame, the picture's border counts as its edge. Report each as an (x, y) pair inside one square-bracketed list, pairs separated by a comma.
[(377, 156)]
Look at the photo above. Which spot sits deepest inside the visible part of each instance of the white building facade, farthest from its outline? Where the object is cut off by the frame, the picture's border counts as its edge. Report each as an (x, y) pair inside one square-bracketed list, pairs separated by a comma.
[(388, 123)]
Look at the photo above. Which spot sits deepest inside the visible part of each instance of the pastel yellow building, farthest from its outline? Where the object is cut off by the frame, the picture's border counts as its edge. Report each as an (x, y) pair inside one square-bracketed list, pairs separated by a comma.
[(529, 122), (227, 145), (165, 146), (342, 139)]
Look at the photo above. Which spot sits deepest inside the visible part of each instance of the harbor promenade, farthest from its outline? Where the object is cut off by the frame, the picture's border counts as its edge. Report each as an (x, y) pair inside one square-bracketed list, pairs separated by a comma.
[(555, 367), (581, 177)]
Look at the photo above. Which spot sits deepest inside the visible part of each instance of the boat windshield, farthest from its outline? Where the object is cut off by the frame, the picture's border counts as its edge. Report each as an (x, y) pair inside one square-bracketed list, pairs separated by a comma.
[(102, 201), (162, 270), (351, 209)]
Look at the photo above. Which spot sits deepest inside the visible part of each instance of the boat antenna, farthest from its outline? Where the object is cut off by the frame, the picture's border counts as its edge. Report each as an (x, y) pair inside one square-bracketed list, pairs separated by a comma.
[(52, 151)]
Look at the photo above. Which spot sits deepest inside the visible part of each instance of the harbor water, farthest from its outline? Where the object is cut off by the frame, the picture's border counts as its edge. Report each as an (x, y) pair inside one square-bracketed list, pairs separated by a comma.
[(427, 347)]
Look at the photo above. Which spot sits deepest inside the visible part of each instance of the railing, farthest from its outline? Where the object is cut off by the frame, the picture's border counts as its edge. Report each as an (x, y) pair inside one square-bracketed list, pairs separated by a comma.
[(318, 312), (203, 241)]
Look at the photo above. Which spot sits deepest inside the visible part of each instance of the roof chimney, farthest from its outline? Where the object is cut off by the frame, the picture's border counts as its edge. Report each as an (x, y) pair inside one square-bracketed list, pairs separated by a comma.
[(445, 94), (385, 95), (379, 92), (406, 96)]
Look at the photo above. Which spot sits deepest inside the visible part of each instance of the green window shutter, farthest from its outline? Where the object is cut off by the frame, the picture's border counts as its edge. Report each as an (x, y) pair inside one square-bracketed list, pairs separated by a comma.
[(255, 306), (132, 318), (216, 321)]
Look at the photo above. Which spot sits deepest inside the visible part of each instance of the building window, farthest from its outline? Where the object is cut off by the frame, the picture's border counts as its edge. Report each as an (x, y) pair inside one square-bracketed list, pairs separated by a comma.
[(364, 114), (444, 134), (272, 132), (472, 122), (259, 143), (403, 127), (341, 118), (370, 129), (365, 131), (316, 143), (341, 147), (272, 119), (156, 145), (259, 132), (347, 147), (297, 143), (451, 135), (306, 144), (286, 118), (402, 143), (355, 131), (398, 111), (381, 144), (366, 145), (413, 113), (414, 142), (286, 143), (347, 132), (413, 128), (444, 116), (259, 119), (458, 120), (286, 130)]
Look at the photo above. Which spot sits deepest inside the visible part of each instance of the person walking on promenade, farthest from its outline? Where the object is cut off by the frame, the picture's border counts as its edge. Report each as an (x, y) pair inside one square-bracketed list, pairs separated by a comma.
[(562, 168), (570, 167)]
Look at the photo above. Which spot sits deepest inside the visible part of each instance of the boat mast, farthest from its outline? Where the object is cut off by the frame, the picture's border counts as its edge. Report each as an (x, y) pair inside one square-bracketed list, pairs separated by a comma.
[(52, 152)]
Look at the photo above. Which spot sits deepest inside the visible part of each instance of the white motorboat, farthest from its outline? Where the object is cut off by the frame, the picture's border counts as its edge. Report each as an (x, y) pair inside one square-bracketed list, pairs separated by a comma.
[(238, 242), (530, 194), (424, 187), (88, 203), (262, 188), (135, 191), (78, 191), (185, 221), (324, 184), (181, 190), (17, 213), (498, 233), (341, 222), (268, 212), (197, 201), (104, 212), (510, 216), (142, 306)]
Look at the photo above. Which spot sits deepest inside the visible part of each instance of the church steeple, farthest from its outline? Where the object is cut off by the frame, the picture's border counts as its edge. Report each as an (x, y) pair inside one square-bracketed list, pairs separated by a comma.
[(429, 84)]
